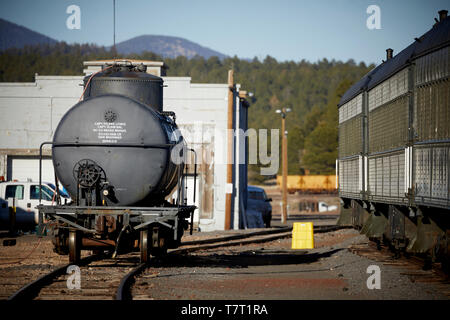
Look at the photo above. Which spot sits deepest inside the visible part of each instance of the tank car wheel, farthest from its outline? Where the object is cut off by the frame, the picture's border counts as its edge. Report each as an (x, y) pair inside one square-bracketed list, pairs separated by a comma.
[(144, 243), (74, 246), (158, 247), (60, 242)]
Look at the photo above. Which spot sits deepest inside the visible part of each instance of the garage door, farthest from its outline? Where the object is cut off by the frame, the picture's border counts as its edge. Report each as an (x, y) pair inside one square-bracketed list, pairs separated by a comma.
[(26, 168)]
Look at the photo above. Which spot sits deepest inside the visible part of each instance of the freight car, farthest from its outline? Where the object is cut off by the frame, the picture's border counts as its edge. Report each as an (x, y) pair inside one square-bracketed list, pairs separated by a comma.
[(119, 156), (309, 183), (394, 148)]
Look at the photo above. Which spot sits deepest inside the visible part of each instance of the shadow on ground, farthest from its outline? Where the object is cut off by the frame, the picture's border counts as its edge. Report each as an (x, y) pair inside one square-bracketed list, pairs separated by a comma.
[(241, 260)]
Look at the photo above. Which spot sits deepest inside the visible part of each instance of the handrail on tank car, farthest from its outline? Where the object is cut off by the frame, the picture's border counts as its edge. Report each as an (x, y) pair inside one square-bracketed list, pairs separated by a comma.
[(40, 168), (41, 220), (195, 184)]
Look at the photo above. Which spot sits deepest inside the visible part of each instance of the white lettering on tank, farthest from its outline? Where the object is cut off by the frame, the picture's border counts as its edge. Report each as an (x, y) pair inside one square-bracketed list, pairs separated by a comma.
[(110, 132)]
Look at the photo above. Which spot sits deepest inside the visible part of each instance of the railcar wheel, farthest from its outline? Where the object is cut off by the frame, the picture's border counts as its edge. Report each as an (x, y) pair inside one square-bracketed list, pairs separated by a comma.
[(74, 246), (60, 242), (158, 247), (144, 243)]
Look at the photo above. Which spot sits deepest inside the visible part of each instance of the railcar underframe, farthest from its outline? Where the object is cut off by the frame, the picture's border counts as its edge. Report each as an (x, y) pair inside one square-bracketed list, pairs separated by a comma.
[(151, 230)]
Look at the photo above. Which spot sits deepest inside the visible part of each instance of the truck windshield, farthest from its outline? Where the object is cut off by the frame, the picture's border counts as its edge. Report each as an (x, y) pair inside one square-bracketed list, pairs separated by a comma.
[(61, 192), (47, 193)]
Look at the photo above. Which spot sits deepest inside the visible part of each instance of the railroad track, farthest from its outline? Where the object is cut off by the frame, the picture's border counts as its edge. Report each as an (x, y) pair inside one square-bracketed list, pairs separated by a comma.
[(100, 275), (413, 266), (103, 277)]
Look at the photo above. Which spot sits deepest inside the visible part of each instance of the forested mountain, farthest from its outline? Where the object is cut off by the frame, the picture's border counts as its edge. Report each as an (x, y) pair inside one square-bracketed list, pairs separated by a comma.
[(311, 90), (167, 47), (14, 36)]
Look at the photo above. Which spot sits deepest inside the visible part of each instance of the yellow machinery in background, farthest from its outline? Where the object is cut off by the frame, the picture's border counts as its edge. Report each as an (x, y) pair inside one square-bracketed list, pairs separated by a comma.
[(310, 183)]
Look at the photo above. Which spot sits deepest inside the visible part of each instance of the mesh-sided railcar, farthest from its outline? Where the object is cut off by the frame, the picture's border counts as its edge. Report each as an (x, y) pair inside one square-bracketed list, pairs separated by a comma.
[(394, 147)]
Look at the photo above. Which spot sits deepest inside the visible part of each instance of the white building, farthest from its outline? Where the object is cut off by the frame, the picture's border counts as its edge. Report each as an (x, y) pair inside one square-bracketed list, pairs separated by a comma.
[(30, 113)]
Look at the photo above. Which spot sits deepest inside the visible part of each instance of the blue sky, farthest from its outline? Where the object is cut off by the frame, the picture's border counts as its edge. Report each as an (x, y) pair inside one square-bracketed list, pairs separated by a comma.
[(283, 29)]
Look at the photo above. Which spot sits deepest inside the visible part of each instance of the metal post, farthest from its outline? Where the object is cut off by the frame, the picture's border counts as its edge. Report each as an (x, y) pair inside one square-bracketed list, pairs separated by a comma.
[(284, 156), (114, 27), (284, 161), (12, 215)]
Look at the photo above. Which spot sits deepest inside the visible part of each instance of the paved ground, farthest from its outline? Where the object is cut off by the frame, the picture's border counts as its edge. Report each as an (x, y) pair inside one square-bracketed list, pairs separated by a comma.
[(274, 271)]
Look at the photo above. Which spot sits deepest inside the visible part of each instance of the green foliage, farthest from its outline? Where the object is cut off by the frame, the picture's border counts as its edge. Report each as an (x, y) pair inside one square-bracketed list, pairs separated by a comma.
[(296, 145), (321, 149), (321, 143), (311, 90)]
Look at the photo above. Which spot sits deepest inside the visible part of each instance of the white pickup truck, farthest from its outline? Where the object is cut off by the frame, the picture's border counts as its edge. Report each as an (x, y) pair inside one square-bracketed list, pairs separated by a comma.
[(323, 207), (26, 196)]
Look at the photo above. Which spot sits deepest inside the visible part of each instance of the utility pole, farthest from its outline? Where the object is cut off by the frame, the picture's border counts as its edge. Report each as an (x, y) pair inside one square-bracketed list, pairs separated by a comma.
[(229, 186), (284, 161)]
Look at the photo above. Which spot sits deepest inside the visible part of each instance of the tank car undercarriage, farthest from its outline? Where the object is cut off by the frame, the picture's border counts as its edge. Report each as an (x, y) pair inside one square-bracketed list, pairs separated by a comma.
[(150, 230), (90, 224)]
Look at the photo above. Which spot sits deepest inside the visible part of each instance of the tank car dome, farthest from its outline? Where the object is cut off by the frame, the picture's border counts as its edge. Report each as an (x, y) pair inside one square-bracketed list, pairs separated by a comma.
[(127, 80)]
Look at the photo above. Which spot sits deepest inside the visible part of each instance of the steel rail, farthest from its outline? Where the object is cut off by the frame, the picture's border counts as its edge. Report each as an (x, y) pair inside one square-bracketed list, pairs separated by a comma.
[(124, 289), (32, 289)]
